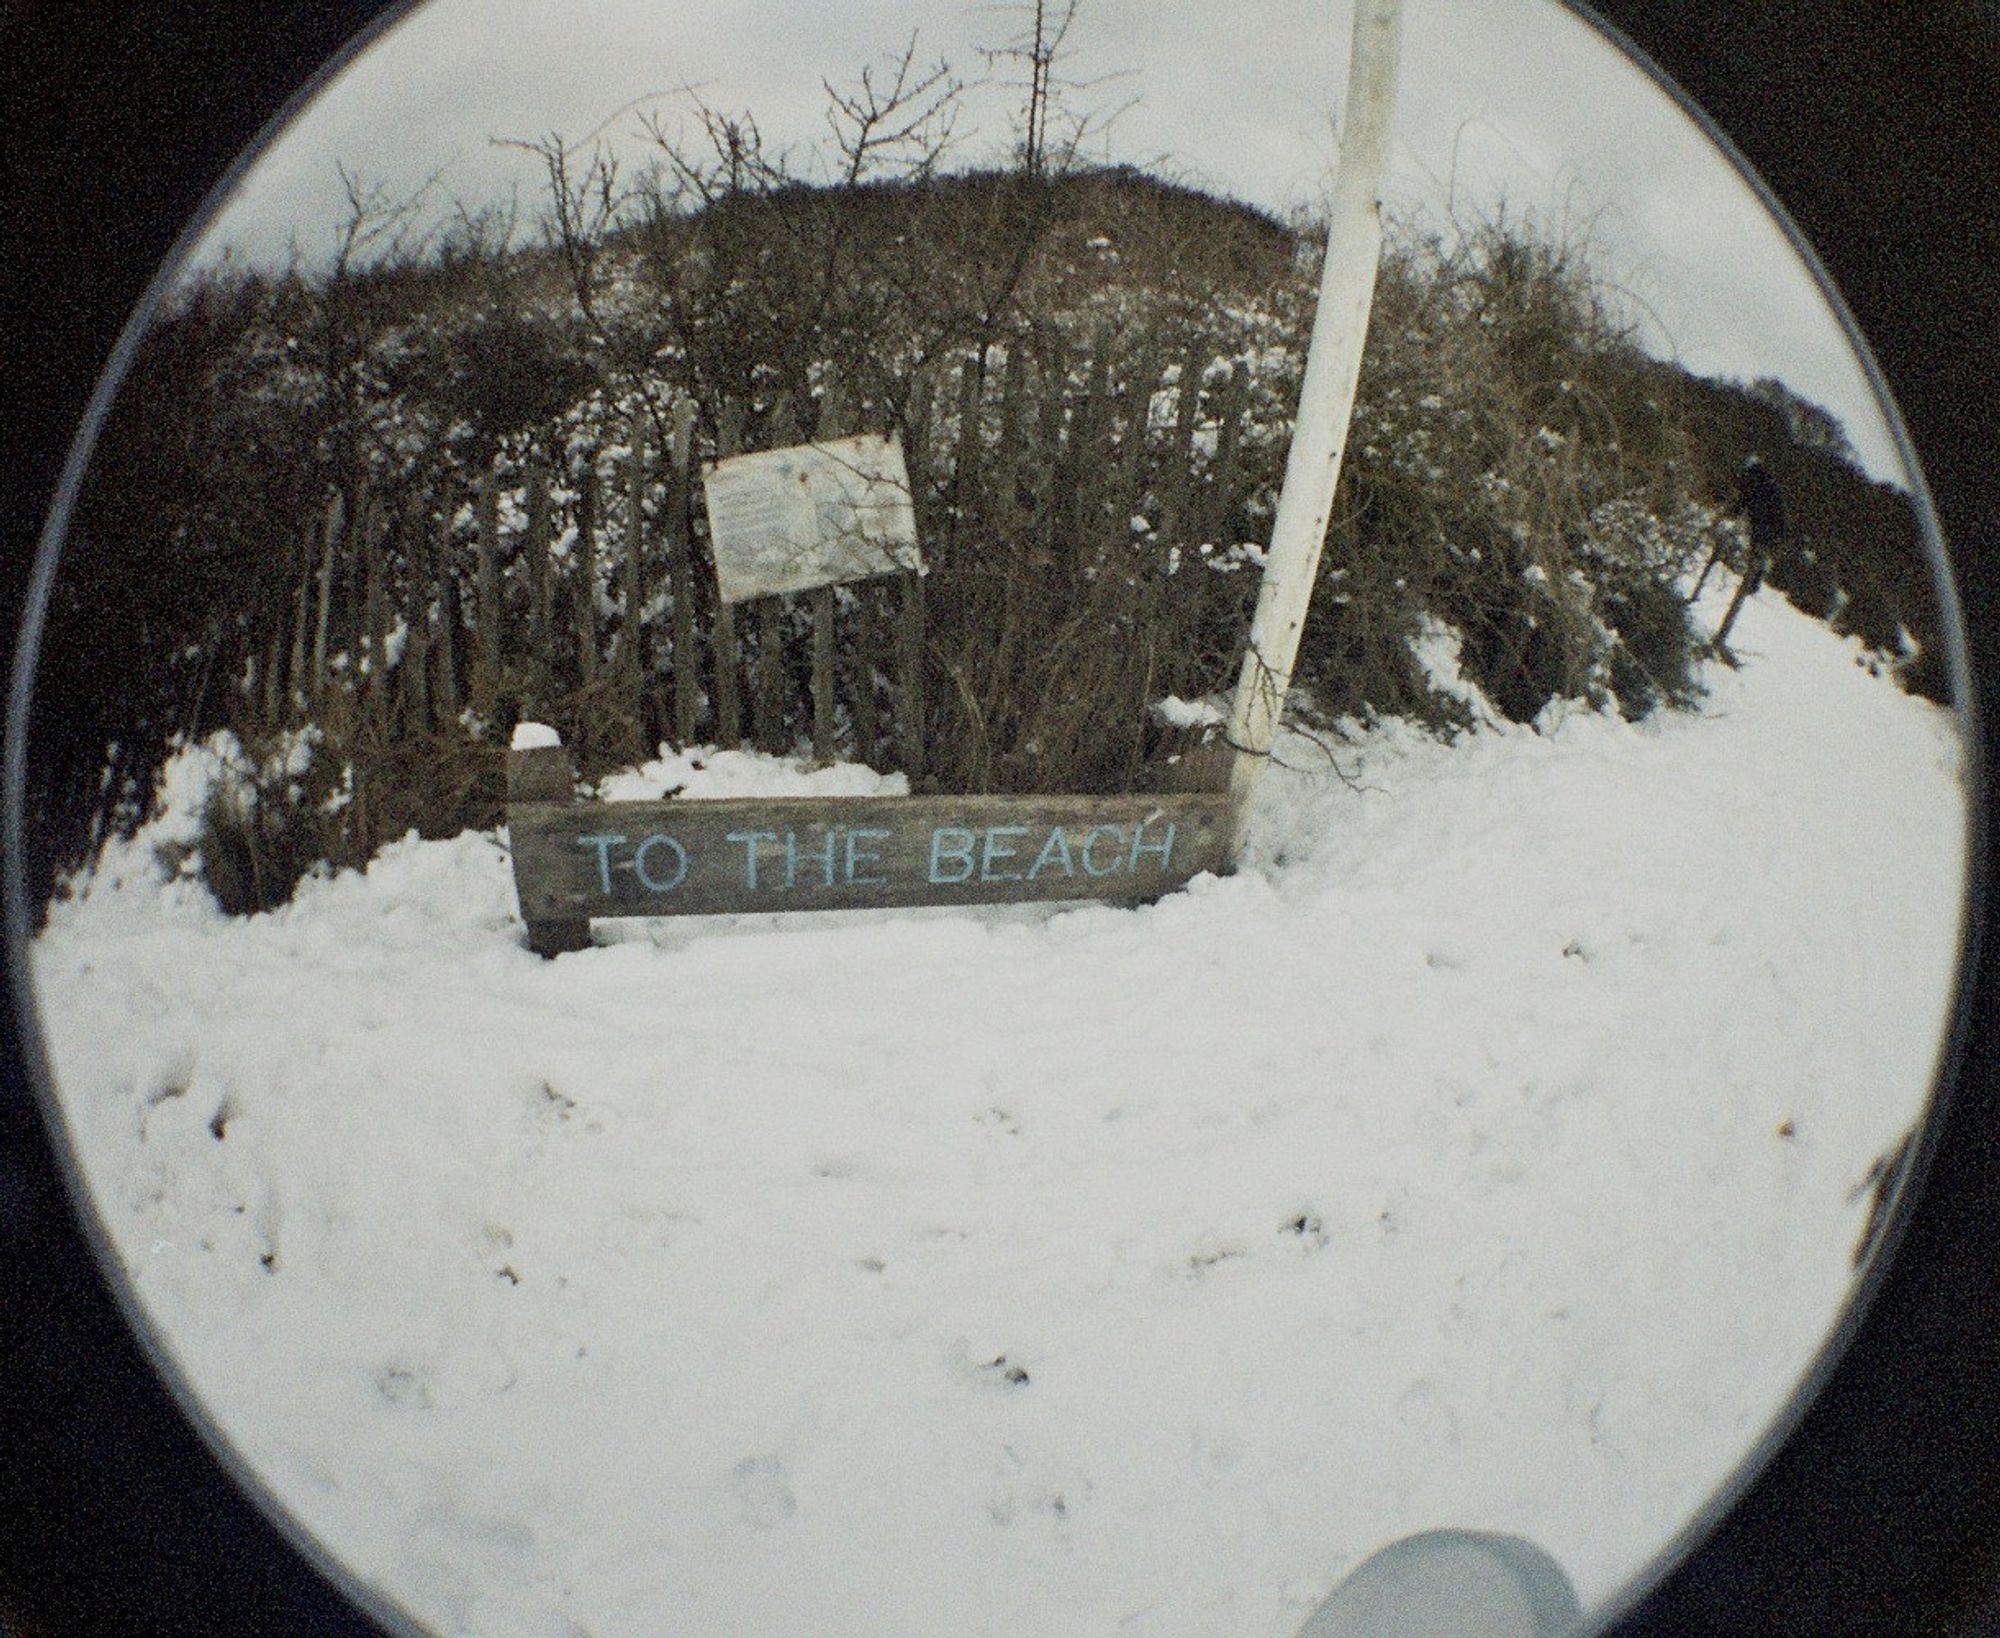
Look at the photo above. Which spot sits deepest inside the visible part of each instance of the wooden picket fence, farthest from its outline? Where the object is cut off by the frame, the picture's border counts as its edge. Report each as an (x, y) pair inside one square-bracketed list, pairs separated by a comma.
[(573, 586)]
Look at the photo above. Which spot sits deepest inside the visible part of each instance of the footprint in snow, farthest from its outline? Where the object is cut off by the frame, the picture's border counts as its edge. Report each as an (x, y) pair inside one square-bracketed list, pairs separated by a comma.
[(1040, 1489), (1003, 1369), (763, 1492)]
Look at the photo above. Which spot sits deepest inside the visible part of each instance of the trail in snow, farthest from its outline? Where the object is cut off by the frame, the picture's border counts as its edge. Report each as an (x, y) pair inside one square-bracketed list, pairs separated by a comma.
[(1481, 1154)]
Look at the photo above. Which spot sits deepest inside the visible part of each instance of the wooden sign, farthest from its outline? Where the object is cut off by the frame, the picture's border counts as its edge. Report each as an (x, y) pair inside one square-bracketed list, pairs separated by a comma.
[(573, 861), (787, 520)]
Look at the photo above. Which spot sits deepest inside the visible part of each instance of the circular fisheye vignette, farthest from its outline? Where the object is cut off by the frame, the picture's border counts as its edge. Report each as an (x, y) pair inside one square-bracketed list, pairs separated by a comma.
[(1899, 1195), (1898, 1186), (86, 1213)]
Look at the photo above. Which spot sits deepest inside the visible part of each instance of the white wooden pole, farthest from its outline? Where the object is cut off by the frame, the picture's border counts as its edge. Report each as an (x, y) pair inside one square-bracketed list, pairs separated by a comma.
[(1326, 402)]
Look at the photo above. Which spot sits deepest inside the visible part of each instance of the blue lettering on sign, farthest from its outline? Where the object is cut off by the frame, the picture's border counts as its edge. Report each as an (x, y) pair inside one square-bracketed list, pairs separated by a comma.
[(750, 839), (857, 856), (1163, 851), (993, 850), (839, 856), (677, 870), (604, 845), (1055, 848), (958, 850), (1117, 835)]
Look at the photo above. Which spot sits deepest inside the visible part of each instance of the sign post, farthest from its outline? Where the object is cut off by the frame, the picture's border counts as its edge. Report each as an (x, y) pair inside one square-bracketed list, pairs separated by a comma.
[(1326, 402)]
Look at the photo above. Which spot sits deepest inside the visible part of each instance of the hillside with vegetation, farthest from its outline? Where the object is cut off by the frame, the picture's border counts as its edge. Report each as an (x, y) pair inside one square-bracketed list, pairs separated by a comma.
[(368, 514)]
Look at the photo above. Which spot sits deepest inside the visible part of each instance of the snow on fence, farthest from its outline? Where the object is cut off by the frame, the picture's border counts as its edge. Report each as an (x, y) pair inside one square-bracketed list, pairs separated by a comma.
[(576, 583)]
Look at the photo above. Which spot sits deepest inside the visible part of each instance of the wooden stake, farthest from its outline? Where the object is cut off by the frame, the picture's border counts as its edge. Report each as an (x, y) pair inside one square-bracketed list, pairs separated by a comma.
[(910, 609), (770, 691), (374, 525), (416, 615), (542, 781), (728, 698), (1052, 378), (965, 468), (335, 528), (680, 560), (486, 518), (585, 554), (1013, 403), (1086, 460), (1179, 519), (1128, 489), (540, 570), (1234, 411), (447, 602), (302, 618), (832, 424)]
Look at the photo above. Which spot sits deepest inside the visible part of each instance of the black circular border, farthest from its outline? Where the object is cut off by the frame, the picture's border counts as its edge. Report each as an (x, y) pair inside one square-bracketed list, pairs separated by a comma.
[(1874, 127)]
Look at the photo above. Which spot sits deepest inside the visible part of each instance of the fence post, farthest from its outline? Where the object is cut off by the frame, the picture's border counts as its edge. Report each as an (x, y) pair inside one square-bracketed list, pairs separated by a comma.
[(447, 602), (335, 528), (1013, 402), (728, 699), (769, 697), (486, 515), (546, 775), (271, 673), (965, 465), (1052, 378), (541, 592), (1178, 500), (832, 424), (1230, 416), (634, 643), (375, 613), (416, 614), (910, 614), (687, 675), (1128, 485), (1086, 465), (300, 682), (589, 496)]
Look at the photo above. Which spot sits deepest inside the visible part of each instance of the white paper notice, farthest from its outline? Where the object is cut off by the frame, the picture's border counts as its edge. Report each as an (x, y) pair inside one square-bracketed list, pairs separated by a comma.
[(786, 520)]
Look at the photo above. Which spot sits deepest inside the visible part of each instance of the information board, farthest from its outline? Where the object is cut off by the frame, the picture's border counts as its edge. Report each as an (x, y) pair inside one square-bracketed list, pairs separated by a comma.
[(787, 520)]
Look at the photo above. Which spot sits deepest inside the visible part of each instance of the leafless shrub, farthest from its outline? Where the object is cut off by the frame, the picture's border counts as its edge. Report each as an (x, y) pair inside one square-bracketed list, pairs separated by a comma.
[(394, 500)]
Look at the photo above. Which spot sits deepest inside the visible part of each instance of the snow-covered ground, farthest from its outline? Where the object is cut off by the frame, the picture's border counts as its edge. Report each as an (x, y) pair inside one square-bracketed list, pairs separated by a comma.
[(1482, 1154)]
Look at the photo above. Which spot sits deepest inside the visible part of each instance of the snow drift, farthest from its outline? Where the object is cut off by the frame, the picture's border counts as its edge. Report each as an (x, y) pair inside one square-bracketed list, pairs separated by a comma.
[(1484, 1153)]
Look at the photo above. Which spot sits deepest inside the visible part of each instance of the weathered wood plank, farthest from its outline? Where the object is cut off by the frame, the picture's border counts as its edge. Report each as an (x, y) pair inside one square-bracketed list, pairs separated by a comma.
[(680, 563), (416, 664), (832, 425), (545, 773), (722, 641), (635, 662), (838, 853), (486, 516), (446, 691), (584, 554), (539, 568)]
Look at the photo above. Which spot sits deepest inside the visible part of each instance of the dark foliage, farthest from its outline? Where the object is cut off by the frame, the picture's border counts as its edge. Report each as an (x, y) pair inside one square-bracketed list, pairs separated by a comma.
[(393, 502)]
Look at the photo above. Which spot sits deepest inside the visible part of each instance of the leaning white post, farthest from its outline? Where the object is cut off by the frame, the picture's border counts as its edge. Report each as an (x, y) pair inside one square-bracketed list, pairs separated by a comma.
[(1326, 402)]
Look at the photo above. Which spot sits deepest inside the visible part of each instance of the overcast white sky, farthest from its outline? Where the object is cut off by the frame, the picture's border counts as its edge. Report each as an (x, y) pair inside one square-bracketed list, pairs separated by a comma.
[(1499, 98)]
